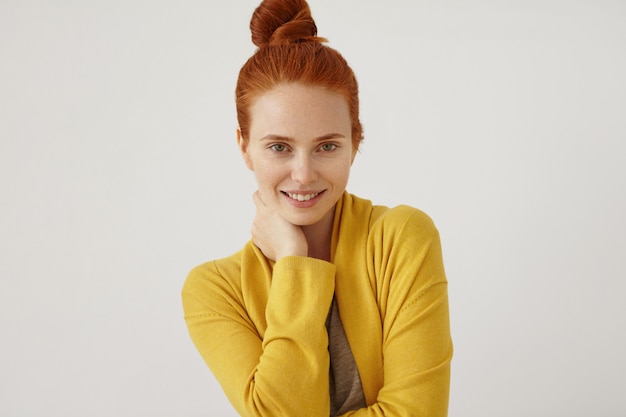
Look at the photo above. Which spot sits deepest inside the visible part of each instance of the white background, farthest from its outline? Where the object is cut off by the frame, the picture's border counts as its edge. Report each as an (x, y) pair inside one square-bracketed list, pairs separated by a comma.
[(504, 120)]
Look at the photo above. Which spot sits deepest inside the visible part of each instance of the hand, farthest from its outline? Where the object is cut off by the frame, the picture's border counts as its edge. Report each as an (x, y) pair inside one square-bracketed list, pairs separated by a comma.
[(274, 235)]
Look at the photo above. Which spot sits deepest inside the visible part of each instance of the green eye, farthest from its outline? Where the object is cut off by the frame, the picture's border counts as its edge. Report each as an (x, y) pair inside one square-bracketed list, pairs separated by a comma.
[(278, 147), (328, 147)]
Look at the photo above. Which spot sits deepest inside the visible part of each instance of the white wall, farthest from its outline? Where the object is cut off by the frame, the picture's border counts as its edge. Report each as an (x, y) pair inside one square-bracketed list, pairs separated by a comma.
[(504, 120)]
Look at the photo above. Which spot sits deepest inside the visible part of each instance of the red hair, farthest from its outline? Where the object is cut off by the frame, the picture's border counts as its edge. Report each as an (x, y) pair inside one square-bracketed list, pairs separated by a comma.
[(290, 51)]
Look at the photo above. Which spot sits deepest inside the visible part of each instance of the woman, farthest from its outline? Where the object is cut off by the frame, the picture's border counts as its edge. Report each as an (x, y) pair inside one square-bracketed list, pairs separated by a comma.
[(335, 306)]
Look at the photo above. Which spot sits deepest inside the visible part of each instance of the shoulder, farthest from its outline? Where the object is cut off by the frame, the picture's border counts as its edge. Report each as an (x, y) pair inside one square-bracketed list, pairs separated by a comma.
[(218, 275), (216, 268), (404, 243), (380, 215), (403, 220), (399, 222), (228, 274), (215, 287)]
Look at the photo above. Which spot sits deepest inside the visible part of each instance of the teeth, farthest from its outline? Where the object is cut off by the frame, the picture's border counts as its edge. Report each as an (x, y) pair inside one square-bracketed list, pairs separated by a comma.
[(302, 197)]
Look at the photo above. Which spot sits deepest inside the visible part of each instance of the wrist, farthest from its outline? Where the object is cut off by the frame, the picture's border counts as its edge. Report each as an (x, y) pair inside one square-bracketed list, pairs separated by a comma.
[(299, 250)]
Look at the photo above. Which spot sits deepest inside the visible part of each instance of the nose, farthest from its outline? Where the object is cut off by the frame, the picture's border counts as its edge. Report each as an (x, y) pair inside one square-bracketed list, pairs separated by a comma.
[(303, 170)]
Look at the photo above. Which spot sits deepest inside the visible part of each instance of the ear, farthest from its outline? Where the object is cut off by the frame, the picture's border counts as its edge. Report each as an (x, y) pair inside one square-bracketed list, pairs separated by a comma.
[(243, 148)]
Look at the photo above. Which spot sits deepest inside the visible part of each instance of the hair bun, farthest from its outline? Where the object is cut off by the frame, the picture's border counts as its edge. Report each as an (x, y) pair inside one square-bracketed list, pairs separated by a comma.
[(277, 22)]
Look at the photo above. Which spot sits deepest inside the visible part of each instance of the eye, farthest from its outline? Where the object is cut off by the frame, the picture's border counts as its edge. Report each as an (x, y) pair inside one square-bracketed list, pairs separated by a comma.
[(278, 147), (326, 147)]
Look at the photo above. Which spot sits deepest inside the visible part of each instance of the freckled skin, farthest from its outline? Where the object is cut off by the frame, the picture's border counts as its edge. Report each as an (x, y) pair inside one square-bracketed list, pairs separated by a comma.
[(300, 142)]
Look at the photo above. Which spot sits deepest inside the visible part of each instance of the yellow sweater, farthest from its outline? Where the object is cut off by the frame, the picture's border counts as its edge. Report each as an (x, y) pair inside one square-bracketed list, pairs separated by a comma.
[(260, 325)]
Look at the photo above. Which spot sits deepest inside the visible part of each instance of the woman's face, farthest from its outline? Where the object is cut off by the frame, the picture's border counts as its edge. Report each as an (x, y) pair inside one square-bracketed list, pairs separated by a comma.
[(300, 150)]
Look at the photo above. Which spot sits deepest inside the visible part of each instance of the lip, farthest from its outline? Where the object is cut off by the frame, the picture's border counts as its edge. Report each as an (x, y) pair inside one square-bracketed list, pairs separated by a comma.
[(306, 203)]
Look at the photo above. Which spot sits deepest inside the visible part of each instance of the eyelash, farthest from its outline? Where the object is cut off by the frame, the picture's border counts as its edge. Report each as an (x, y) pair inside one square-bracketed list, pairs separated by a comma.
[(274, 145), (283, 147)]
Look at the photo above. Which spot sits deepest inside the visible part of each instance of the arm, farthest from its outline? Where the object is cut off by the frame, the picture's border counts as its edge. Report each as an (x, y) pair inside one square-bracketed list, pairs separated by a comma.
[(281, 370), (412, 297), (275, 363)]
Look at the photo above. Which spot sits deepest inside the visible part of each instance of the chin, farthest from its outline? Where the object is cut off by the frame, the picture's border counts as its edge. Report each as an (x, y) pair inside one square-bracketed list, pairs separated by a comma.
[(303, 221), (306, 216)]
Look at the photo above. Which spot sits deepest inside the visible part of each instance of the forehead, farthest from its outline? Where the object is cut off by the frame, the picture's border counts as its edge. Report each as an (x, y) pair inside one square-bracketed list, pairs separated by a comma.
[(296, 110)]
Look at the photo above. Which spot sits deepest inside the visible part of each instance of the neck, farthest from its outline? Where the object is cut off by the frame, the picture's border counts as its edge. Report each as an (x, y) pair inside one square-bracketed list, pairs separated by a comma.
[(319, 235)]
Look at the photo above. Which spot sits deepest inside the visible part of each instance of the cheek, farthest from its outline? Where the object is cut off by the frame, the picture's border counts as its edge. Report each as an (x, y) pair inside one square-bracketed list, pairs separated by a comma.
[(267, 174), (342, 171)]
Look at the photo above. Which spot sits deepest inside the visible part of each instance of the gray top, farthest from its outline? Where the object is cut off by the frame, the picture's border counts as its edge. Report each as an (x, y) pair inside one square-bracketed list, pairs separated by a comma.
[(346, 392)]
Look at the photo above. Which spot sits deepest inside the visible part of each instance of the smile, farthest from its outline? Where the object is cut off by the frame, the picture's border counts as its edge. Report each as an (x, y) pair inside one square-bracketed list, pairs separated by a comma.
[(302, 197)]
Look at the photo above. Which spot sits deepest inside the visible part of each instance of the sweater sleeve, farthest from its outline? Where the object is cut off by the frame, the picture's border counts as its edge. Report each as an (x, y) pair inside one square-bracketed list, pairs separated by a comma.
[(413, 301), (281, 370)]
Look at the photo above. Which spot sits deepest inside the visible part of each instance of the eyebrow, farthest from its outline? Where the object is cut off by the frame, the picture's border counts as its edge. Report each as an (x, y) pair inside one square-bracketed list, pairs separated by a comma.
[(272, 137)]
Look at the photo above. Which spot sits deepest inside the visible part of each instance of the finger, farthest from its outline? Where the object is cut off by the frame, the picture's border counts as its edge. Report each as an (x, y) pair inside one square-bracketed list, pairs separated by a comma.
[(258, 200)]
